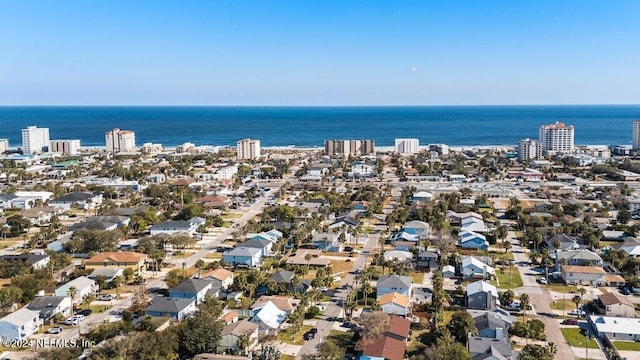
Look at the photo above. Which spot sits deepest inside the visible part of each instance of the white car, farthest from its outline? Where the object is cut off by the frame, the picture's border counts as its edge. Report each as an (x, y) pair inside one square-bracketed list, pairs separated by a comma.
[(71, 321), (54, 330), (542, 281), (78, 317), (104, 297)]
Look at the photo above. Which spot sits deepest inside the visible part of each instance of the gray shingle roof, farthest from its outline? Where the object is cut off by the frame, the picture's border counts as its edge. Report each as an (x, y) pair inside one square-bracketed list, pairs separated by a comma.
[(74, 196), (282, 276), (168, 305), (394, 281), (256, 243), (191, 286), (478, 345), (239, 328), (242, 251)]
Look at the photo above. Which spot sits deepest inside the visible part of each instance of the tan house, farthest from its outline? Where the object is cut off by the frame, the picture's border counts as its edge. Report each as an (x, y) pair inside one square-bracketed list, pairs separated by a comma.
[(120, 259), (583, 275), (615, 305), (394, 303)]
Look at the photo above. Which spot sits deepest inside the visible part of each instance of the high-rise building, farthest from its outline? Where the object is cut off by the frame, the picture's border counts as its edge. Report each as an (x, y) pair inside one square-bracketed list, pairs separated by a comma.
[(407, 146), (65, 147), (529, 150), (248, 149), (4, 145), (348, 147), (120, 140), (557, 137), (441, 149), (35, 140), (636, 135)]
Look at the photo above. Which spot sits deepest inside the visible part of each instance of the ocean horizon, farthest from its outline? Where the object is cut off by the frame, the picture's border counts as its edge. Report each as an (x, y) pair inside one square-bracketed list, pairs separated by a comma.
[(309, 126)]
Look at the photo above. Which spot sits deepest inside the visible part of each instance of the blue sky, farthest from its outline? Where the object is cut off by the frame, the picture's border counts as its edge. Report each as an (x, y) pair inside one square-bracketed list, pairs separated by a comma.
[(319, 52)]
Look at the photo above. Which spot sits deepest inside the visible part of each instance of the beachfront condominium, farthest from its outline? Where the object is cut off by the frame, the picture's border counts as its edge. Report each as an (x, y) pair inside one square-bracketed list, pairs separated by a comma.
[(248, 149), (348, 147), (407, 146), (65, 147), (636, 135), (529, 150), (4, 146), (556, 137), (120, 140), (35, 140)]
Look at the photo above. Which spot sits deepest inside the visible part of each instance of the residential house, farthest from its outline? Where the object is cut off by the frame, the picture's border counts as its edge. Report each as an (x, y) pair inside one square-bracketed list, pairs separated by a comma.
[(327, 242), (214, 201), (427, 259), (37, 261), (234, 331), (422, 196), (482, 348), (344, 221), (20, 324), (630, 245), (404, 236), (101, 222), (119, 259), (195, 289), (580, 257), (175, 308), (589, 275), (107, 273), (482, 295), (615, 305), (284, 303), (265, 246), (40, 215), (616, 328), (314, 259), (50, 306), (420, 228), (393, 283), (384, 348), (175, 226), (287, 277), (243, 256), (83, 200), (268, 317), (473, 224), (404, 245), (394, 303), (448, 271), (492, 323), (472, 240), (83, 286), (562, 242), (471, 267), (24, 199), (399, 328), (221, 278)]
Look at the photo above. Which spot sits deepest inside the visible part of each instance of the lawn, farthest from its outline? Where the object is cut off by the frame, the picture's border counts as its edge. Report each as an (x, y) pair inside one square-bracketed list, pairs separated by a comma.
[(575, 338), (287, 357), (213, 255), (417, 277), (560, 288), (292, 338), (568, 305), (95, 308), (503, 278), (341, 338), (626, 345), (339, 266)]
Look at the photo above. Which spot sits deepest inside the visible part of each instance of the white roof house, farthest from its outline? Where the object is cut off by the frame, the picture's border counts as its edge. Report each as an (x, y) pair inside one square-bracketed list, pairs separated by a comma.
[(20, 324), (471, 267), (616, 328), (83, 285), (482, 286), (269, 316), (472, 223)]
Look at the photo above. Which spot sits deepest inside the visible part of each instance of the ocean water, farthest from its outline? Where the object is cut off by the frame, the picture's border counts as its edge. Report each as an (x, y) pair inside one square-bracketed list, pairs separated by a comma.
[(310, 126)]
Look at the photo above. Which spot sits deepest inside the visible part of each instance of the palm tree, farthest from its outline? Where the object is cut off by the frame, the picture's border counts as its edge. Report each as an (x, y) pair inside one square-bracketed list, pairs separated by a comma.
[(524, 303), (243, 343), (116, 283), (576, 300), (200, 264), (71, 292)]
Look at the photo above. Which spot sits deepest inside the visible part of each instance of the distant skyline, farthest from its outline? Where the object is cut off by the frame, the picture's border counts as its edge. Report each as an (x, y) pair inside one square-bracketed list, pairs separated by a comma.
[(322, 53)]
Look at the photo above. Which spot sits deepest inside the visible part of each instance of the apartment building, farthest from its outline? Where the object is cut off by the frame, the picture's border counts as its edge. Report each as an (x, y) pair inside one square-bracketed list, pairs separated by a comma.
[(556, 137), (35, 140), (65, 147), (348, 147), (407, 146), (120, 140), (248, 149), (529, 150)]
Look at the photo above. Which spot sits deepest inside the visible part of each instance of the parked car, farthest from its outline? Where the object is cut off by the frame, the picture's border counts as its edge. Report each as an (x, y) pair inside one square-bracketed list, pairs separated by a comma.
[(313, 330), (542, 281), (104, 297), (54, 330), (625, 291), (78, 317), (581, 313), (71, 321), (308, 336), (570, 322), (85, 312)]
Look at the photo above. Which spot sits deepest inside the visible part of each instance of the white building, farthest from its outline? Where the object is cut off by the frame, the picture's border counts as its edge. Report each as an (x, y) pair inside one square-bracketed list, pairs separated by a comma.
[(407, 146), (556, 137), (120, 140), (35, 140), (529, 150), (151, 149), (248, 149), (4, 145), (65, 147), (20, 324), (636, 135)]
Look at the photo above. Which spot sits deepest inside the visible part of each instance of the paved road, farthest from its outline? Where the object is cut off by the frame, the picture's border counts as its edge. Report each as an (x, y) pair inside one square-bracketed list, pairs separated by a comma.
[(334, 310), (540, 299)]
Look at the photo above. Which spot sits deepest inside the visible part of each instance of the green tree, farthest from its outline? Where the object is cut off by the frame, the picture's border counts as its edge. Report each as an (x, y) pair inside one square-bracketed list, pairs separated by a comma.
[(461, 325), (8, 296), (116, 282), (576, 300), (200, 334), (175, 277), (538, 352), (524, 303), (328, 351)]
